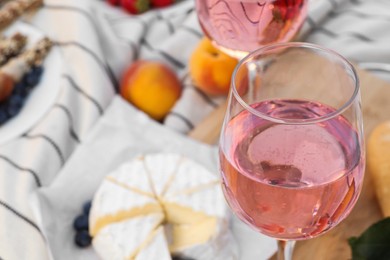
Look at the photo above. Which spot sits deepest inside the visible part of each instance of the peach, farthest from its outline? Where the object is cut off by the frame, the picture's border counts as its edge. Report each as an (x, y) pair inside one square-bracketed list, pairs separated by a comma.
[(152, 87), (211, 69)]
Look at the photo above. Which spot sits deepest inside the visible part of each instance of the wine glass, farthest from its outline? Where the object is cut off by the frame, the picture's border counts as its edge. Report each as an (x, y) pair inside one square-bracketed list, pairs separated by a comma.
[(240, 26), (292, 151)]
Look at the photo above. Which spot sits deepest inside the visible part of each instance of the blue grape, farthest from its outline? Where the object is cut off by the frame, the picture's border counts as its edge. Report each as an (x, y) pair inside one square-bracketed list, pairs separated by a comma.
[(16, 100), (3, 116), (81, 223), (12, 106), (37, 70), (82, 238), (87, 207), (20, 89), (33, 77), (13, 110)]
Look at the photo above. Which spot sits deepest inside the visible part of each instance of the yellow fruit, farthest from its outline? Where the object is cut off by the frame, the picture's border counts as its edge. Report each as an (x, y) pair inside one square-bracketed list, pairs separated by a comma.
[(211, 69), (378, 151), (152, 87)]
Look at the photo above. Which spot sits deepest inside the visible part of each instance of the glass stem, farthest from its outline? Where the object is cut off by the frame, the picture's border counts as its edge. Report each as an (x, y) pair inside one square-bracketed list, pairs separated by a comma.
[(285, 249)]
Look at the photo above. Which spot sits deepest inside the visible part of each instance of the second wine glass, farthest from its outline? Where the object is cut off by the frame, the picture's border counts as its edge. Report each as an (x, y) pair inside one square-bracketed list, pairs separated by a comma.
[(241, 26)]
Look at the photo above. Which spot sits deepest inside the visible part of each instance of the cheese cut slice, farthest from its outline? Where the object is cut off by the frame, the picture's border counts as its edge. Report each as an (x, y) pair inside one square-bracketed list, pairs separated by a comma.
[(221, 246), (161, 171), (157, 248), (186, 203), (186, 235), (195, 214), (125, 239), (194, 203), (190, 176), (133, 177), (113, 203)]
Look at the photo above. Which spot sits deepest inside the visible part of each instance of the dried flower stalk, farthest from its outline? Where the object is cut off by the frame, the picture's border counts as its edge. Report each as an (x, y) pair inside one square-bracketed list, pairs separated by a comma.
[(12, 10), (12, 46)]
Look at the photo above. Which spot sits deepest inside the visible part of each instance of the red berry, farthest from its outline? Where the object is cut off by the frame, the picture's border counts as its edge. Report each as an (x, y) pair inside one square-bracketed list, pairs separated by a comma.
[(135, 6), (114, 2), (162, 3)]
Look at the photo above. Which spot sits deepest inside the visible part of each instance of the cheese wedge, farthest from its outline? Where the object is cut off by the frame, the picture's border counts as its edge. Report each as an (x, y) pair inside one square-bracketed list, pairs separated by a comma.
[(125, 239), (186, 235), (113, 203), (161, 170), (378, 151), (157, 248), (187, 195)]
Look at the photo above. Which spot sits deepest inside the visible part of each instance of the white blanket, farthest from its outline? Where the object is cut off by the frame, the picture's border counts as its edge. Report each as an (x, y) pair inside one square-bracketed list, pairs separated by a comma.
[(97, 42)]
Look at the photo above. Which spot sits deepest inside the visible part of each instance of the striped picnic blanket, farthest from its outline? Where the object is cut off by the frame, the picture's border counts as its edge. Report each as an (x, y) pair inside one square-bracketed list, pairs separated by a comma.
[(96, 43)]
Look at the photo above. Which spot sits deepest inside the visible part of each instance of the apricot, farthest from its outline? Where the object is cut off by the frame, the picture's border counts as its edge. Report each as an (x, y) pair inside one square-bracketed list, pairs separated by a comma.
[(211, 69), (152, 87)]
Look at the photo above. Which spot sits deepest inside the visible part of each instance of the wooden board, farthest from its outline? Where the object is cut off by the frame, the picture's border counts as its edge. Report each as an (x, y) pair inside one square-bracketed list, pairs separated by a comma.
[(332, 245)]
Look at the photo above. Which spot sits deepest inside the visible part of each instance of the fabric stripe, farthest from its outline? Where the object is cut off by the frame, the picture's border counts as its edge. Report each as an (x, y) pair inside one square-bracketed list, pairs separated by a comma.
[(183, 118), (375, 67), (335, 35), (203, 95), (168, 57), (355, 2), (189, 11), (132, 44), (20, 216), (81, 91), (70, 120), (360, 15), (310, 21), (333, 3), (192, 30), (134, 49), (104, 66), (171, 28), (34, 174), (50, 141), (114, 23)]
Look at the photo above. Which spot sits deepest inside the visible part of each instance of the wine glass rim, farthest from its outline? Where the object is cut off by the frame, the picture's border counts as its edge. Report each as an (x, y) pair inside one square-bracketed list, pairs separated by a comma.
[(326, 117)]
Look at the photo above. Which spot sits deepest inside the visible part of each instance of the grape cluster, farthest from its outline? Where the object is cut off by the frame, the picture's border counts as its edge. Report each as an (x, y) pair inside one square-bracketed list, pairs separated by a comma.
[(12, 106), (81, 225)]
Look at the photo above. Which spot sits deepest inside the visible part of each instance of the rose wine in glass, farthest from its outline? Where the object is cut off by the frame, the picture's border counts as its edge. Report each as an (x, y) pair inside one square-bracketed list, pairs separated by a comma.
[(240, 26), (291, 150)]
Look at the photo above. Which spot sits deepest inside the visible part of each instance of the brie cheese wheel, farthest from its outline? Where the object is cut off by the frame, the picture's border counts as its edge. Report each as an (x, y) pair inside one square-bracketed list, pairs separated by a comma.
[(161, 203)]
